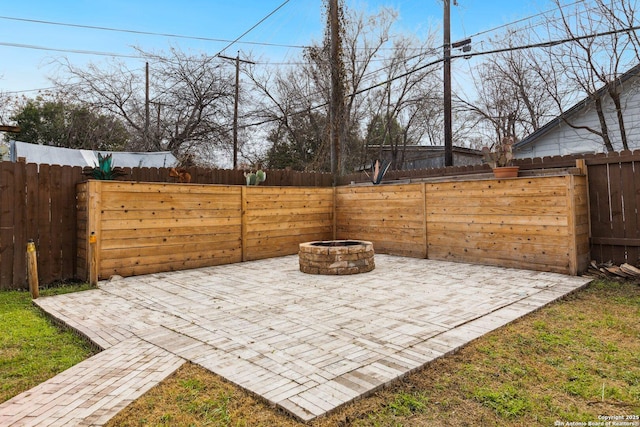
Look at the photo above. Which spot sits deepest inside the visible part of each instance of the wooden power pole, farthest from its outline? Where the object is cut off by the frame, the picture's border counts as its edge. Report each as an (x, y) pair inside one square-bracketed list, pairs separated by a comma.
[(448, 138), (147, 146), (336, 108), (235, 105)]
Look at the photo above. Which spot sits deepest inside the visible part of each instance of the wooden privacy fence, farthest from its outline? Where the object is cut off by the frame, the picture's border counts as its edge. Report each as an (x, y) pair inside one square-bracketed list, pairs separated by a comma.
[(146, 228), (39, 202), (614, 199), (538, 223)]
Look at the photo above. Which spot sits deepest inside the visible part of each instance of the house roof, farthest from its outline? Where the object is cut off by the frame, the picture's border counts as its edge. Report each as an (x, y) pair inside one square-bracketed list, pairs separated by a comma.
[(436, 149), (575, 109), (34, 153)]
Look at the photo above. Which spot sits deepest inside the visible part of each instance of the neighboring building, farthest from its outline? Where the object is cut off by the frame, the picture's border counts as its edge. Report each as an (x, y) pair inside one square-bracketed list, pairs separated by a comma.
[(428, 156), (557, 138), (34, 153)]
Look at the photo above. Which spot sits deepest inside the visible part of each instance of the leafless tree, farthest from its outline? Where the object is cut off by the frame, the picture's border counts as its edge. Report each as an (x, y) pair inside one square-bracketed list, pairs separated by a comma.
[(375, 65), (512, 100), (410, 95), (601, 50), (191, 99)]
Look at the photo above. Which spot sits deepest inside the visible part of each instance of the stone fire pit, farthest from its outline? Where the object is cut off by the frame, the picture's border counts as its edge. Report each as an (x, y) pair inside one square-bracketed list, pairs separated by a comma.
[(336, 257)]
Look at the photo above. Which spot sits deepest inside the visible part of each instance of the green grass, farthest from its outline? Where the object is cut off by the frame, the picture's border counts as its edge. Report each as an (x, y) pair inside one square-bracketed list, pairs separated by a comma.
[(32, 348)]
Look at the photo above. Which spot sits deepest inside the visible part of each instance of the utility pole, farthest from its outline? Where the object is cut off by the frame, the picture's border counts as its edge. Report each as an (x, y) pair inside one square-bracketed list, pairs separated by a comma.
[(336, 108), (146, 109), (448, 139), (235, 105)]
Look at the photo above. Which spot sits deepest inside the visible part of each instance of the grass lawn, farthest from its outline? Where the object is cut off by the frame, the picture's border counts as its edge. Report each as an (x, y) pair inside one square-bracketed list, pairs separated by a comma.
[(32, 349), (572, 361)]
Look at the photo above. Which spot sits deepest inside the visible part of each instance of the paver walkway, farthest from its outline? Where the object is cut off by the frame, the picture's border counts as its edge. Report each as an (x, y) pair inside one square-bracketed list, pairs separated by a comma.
[(305, 343)]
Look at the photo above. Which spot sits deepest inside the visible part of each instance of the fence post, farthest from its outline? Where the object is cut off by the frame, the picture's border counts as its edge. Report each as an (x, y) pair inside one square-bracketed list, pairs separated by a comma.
[(581, 164), (32, 269), (243, 221), (93, 259)]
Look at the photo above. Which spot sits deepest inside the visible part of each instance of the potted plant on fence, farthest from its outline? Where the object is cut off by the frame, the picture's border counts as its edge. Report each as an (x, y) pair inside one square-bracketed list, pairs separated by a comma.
[(500, 156)]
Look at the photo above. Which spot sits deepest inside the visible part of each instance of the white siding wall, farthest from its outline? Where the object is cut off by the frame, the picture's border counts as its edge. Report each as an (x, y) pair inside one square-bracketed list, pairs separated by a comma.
[(563, 139)]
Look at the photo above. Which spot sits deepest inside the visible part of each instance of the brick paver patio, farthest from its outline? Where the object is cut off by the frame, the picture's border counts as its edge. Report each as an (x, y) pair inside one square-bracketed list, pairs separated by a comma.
[(305, 343)]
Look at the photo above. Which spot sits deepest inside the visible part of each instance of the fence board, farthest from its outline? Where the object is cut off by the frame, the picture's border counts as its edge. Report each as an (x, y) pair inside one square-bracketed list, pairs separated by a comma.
[(378, 213), (56, 215), (599, 209), (19, 225), (633, 200), (32, 201), (69, 252), (7, 247), (277, 220), (615, 206), (460, 230)]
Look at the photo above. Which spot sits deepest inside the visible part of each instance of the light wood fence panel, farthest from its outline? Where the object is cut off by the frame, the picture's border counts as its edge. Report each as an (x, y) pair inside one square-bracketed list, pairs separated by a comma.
[(525, 223), (392, 217), (146, 228), (277, 219)]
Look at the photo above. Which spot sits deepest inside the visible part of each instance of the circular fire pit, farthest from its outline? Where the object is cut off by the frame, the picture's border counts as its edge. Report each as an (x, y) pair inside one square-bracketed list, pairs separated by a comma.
[(336, 257)]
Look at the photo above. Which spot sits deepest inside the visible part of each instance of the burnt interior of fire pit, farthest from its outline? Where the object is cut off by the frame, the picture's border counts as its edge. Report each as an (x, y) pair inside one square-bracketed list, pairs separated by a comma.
[(332, 243), (337, 257)]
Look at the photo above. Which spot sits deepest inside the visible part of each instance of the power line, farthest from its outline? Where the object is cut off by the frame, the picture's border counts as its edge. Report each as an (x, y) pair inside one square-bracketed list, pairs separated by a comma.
[(252, 28), (491, 30), (148, 33), (230, 42), (549, 43), (78, 51), (466, 55)]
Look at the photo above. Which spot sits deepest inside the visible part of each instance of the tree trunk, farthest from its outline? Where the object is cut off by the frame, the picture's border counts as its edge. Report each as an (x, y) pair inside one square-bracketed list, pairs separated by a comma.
[(616, 101), (603, 125)]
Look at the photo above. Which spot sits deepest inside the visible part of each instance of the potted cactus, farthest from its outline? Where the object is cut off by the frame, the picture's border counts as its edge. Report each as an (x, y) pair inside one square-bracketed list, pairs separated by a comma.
[(255, 178), (105, 170), (500, 156)]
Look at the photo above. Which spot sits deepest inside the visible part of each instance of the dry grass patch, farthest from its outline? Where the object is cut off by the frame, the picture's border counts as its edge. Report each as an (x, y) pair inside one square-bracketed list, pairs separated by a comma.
[(571, 361)]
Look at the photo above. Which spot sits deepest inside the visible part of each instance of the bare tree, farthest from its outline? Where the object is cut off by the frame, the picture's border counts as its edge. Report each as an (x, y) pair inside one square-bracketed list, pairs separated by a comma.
[(191, 99), (375, 65), (512, 100), (409, 95), (601, 50)]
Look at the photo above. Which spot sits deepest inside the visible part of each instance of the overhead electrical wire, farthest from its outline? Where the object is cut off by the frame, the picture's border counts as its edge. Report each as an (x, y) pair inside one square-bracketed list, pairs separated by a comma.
[(78, 51), (528, 18), (148, 33), (230, 42), (466, 55), (237, 40), (252, 28)]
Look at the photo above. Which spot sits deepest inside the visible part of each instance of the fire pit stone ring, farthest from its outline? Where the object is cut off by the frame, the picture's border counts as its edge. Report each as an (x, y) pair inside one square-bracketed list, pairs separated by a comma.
[(336, 257)]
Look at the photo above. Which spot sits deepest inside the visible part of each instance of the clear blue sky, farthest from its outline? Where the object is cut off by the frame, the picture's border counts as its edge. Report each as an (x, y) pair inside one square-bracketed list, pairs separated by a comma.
[(297, 23)]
